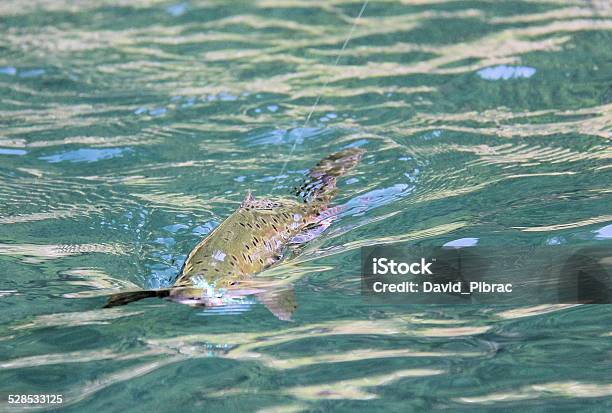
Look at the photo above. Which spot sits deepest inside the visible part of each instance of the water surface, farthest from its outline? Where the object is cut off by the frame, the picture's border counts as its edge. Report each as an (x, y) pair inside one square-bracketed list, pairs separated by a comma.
[(132, 128)]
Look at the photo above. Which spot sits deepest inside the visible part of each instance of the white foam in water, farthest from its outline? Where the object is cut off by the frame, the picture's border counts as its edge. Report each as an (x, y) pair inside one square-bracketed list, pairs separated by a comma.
[(506, 72), (176, 10), (9, 70), (141, 110), (462, 243), (6, 151), (226, 97), (556, 241), (158, 111), (604, 233)]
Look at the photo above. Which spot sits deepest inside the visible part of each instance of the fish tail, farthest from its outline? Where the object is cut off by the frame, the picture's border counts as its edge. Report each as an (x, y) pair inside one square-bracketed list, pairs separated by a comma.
[(320, 181), (127, 297)]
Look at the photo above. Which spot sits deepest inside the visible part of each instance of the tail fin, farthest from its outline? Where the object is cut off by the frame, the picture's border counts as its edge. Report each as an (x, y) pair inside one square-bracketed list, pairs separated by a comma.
[(320, 182), (127, 297)]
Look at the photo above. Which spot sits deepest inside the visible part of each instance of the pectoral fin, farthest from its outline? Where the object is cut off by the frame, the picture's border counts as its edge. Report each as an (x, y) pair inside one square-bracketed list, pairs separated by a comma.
[(281, 303)]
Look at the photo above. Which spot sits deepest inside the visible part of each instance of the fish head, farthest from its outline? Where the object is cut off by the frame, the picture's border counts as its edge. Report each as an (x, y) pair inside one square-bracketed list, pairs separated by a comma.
[(218, 300), (196, 297)]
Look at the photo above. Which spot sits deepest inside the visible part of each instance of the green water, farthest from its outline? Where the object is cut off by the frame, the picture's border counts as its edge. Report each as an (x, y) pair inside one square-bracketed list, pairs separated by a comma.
[(130, 129)]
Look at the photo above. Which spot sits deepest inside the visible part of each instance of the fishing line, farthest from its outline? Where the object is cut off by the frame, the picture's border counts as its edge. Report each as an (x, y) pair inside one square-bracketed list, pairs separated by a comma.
[(316, 103)]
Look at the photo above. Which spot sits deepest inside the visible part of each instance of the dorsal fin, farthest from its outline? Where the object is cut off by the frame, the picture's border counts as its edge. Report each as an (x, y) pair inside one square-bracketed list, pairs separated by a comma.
[(249, 200), (262, 203)]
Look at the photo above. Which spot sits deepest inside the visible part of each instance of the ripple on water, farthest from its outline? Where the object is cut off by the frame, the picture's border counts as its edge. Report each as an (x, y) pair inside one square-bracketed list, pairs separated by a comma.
[(462, 243), (176, 10), (604, 232), (86, 155), (175, 228), (27, 73), (479, 118), (8, 70), (32, 73), (375, 198), (295, 135), (7, 151), (204, 229)]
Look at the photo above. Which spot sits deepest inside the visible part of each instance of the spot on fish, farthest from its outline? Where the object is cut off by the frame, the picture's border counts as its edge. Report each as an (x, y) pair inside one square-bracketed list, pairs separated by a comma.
[(219, 255)]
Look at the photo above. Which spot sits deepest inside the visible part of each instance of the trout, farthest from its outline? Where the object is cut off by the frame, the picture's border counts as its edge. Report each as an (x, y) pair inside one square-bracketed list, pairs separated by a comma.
[(252, 239)]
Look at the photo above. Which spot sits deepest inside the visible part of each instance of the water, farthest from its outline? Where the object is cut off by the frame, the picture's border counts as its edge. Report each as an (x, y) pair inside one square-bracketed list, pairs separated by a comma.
[(130, 129)]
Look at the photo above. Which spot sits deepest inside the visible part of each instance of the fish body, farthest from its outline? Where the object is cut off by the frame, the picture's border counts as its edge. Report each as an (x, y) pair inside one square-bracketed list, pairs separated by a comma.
[(251, 239)]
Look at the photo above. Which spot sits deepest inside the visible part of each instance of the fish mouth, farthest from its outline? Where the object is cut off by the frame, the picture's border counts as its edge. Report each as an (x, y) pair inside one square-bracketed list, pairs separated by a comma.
[(205, 299), (192, 302)]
